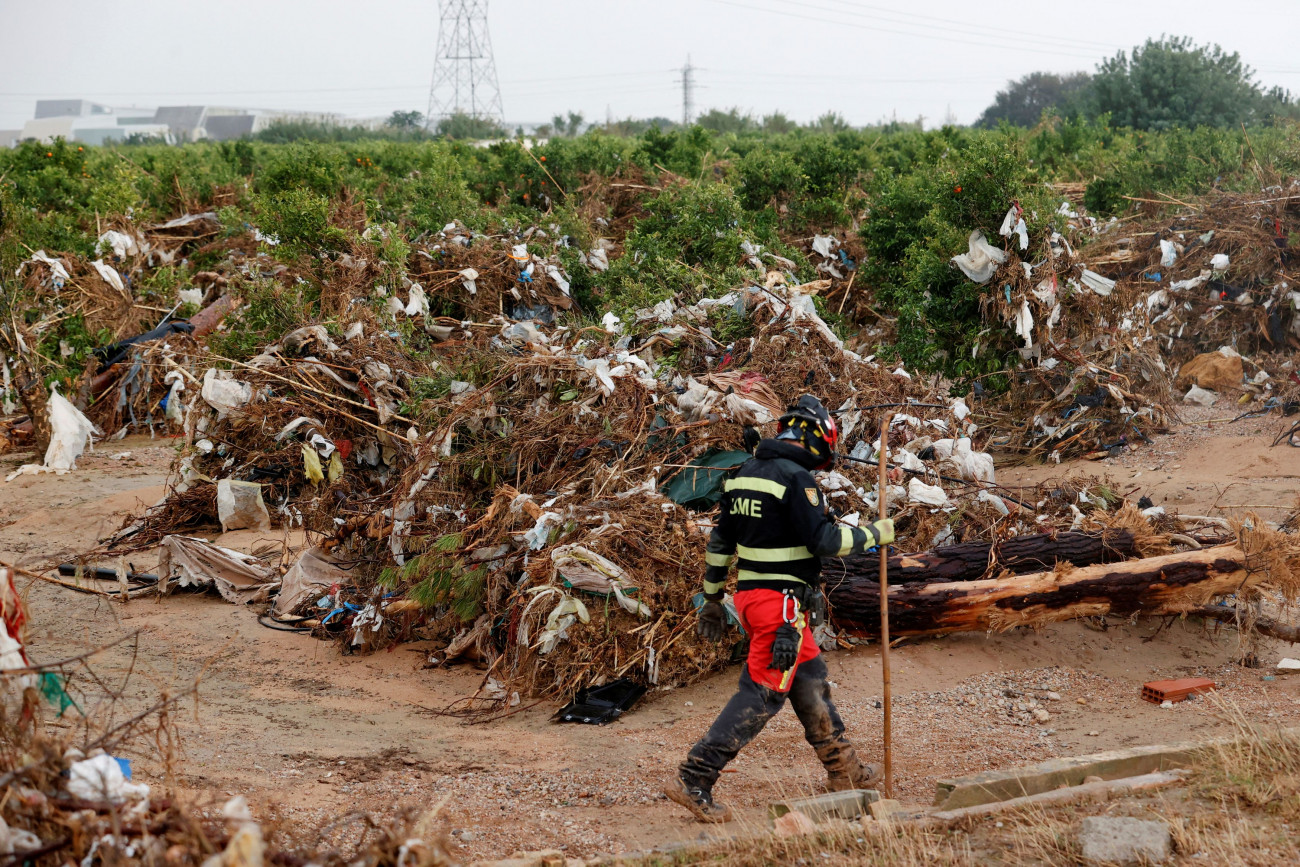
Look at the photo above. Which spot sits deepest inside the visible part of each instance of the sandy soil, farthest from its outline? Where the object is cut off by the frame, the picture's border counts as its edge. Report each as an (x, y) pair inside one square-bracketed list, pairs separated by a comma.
[(316, 736)]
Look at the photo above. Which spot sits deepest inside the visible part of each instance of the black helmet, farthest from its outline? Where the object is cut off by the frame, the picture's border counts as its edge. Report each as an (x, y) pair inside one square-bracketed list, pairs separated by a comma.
[(809, 423)]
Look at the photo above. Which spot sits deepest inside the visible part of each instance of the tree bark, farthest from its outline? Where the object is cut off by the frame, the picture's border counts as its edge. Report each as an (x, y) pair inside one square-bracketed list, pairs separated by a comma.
[(1169, 584), (34, 397), (970, 561)]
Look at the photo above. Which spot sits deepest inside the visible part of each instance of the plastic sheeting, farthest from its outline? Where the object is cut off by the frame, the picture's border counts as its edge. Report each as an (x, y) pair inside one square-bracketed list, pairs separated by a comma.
[(70, 434), (191, 562), (313, 572), (699, 486), (586, 570)]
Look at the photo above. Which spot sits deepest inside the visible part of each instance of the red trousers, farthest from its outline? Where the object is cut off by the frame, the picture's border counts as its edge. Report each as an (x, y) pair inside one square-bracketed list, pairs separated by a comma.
[(761, 615)]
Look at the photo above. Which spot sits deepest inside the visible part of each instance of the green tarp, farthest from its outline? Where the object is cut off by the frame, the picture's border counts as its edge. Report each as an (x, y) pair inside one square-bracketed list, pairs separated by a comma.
[(699, 486)]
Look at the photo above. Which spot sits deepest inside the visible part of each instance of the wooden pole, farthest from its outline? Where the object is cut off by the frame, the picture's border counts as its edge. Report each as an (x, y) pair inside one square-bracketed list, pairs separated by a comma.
[(882, 497)]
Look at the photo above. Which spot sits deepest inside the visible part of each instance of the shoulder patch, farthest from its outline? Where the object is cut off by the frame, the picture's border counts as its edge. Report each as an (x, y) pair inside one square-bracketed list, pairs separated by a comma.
[(813, 496)]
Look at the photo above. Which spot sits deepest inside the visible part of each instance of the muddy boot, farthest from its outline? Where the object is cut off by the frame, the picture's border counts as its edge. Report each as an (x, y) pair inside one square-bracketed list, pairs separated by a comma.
[(698, 800), (844, 770)]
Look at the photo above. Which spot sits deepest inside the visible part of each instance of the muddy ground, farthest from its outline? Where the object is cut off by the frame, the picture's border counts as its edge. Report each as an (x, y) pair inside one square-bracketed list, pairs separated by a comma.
[(315, 736)]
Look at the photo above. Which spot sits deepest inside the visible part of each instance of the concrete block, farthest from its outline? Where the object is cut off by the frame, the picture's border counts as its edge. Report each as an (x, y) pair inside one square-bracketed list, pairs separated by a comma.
[(989, 786), (1117, 840), (833, 805)]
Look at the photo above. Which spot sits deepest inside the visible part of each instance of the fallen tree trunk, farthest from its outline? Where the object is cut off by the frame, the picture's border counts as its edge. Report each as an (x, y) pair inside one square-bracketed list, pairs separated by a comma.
[(1169, 584), (1263, 625), (970, 561)]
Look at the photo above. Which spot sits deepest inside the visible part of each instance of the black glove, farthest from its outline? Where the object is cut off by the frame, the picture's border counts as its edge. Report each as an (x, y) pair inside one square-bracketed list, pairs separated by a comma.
[(713, 621), (785, 648)]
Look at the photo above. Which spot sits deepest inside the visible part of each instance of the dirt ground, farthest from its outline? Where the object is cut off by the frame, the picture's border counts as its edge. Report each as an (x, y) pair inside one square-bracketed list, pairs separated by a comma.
[(314, 736)]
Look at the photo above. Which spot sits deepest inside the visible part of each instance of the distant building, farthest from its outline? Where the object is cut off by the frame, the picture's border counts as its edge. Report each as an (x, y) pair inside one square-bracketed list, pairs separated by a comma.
[(47, 108), (9, 137), (88, 122), (81, 120), (196, 122)]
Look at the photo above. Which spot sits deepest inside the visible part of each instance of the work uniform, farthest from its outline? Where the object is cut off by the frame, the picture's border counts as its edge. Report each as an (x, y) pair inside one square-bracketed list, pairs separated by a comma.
[(775, 525)]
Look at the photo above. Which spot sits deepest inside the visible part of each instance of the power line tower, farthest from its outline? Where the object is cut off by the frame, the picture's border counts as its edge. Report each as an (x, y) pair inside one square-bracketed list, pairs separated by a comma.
[(464, 73), (688, 92)]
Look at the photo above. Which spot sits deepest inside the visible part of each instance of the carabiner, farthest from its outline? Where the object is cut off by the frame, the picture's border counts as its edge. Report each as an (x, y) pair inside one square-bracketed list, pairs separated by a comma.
[(789, 603)]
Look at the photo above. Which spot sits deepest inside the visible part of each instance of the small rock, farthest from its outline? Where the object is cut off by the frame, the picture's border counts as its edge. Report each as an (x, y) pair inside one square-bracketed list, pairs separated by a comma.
[(1093, 734), (690, 704), (1124, 841), (1092, 779), (467, 836), (884, 808), (794, 824), (1080, 701), (1041, 715), (1166, 704), (1053, 696)]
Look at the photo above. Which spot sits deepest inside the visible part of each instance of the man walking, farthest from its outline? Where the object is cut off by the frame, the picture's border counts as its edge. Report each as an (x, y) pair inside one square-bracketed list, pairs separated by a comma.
[(774, 520)]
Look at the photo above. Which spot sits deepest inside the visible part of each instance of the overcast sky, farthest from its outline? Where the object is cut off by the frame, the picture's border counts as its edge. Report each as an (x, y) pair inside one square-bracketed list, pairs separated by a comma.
[(866, 60)]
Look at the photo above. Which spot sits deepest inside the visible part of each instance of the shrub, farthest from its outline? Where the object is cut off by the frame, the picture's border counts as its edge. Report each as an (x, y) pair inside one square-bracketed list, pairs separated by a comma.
[(917, 222), (299, 219)]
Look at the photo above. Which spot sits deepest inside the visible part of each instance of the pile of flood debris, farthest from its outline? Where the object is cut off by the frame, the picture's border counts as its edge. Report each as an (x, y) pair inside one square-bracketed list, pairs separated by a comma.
[(459, 458), (1120, 320)]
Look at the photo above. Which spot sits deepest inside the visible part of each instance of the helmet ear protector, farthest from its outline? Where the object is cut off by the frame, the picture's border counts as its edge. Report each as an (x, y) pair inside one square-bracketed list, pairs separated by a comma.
[(808, 423)]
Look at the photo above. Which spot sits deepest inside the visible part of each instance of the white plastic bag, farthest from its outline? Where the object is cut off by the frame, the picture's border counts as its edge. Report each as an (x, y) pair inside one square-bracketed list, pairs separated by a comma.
[(927, 495), (101, 779), (982, 259), (418, 305), (16, 840), (240, 505), (173, 412), (110, 275), (120, 243), (224, 393), (1103, 286), (467, 278), (1168, 254)]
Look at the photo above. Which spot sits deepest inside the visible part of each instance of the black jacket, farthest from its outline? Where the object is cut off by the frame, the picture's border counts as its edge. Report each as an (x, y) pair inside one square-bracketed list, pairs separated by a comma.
[(775, 521)]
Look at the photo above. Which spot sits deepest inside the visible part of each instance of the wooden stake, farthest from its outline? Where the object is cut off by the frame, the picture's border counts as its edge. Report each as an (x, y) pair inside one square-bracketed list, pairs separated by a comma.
[(882, 501)]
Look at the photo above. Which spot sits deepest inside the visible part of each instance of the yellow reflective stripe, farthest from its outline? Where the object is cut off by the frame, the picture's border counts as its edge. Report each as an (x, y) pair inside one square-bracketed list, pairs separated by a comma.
[(789, 672), (846, 542), (762, 486), (747, 575), (773, 555), (714, 587), (723, 560)]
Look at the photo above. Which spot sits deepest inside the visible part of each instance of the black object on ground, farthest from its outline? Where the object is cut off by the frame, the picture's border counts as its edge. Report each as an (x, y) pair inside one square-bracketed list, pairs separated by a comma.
[(100, 573), (597, 705)]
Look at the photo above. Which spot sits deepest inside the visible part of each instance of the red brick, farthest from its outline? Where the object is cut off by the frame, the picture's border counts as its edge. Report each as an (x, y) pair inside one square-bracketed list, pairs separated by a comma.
[(1158, 691)]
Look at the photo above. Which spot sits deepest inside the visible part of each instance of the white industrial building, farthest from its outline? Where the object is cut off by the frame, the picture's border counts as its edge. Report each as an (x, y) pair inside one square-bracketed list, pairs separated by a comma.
[(92, 123)]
